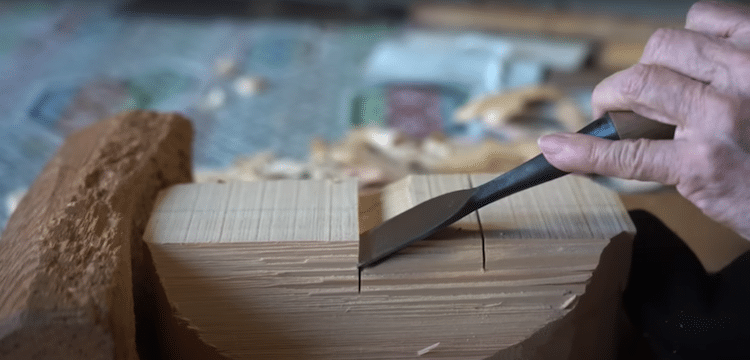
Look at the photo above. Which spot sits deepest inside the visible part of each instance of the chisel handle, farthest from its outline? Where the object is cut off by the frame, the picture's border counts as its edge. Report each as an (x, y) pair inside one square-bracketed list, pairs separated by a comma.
[(615, 125), (630, 125)]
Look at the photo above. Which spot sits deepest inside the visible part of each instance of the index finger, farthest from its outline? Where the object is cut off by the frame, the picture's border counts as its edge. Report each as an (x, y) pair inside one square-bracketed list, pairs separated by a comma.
[(719, 19)]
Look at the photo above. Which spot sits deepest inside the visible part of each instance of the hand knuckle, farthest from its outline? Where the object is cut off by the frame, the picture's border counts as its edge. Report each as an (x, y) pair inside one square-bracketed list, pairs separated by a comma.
[(723, 62), (636, 83), (637, 157), (685, 105), (721, 74), (628, 159), (656, 43), (694, 13), (593, 160)]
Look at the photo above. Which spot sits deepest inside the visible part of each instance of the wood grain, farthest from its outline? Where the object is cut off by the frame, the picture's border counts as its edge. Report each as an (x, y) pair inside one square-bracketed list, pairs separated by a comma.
[(66, 285), (281, 299), (256, 211), (572, 239)]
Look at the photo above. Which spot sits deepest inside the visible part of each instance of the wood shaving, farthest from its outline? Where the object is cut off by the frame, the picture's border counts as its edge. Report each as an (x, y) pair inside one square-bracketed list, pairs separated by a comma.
[(568, 302), (496, 109), (428, 349)]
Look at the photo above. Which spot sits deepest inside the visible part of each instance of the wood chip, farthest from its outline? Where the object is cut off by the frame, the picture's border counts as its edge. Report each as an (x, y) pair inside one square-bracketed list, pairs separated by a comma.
[(568, 302), (428, 349)]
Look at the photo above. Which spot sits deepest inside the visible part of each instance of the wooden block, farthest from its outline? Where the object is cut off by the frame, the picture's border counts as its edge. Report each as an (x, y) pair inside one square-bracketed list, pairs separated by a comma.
[(274, 298), (556, 232), (549, 246), (256, 211), (66, 290), (229, 225), (572, 207)]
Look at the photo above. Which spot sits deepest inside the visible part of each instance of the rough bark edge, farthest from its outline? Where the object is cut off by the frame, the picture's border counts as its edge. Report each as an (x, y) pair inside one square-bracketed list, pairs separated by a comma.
[(87, 191)]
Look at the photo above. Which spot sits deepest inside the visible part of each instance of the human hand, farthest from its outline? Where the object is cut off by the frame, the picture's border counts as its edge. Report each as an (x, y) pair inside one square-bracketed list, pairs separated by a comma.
[(698, 79)]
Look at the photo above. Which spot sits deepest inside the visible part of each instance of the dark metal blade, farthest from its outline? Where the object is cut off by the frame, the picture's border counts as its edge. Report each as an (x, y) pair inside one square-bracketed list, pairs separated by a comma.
[(412, 225)]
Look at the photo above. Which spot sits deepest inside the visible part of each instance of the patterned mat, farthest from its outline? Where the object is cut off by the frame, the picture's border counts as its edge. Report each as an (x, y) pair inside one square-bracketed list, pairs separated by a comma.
[(68, 65)]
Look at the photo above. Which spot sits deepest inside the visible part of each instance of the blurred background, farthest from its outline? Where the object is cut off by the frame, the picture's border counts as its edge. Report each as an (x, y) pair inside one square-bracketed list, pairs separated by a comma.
[(315, 88)]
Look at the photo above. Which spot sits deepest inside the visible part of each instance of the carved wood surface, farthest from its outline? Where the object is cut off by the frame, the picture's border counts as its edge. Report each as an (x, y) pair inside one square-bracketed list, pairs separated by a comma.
[(263, 296)]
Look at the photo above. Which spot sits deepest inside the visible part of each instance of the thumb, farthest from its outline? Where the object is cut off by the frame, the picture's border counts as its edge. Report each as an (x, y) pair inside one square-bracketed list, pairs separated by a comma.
[(641, 159)]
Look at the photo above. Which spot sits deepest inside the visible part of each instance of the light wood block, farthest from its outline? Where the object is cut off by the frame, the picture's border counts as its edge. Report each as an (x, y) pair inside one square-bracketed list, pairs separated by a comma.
[(261, 295), (286, 210)]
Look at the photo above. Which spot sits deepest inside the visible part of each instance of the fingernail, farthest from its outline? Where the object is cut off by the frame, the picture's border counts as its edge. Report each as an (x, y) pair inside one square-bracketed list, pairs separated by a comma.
[(553, 144)]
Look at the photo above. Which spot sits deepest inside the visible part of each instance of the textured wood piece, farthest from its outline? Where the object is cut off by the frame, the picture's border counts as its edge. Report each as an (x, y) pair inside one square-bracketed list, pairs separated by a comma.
[(596, 327), (66, 286), (572, 207), (568, 243), (458, 248), (298, 299), (541, 248), (286, 210)]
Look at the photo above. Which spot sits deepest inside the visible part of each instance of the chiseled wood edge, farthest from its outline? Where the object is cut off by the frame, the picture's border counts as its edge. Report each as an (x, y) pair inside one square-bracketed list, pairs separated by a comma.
[(66, 284), (597, 328), (588, 331)]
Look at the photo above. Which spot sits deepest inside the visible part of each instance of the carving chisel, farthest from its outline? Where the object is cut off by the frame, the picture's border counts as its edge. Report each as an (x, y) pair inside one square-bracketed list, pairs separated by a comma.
[(439, 212)]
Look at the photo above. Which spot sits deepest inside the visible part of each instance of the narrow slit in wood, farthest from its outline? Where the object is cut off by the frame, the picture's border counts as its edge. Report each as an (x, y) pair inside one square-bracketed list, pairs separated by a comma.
[(481, 232)]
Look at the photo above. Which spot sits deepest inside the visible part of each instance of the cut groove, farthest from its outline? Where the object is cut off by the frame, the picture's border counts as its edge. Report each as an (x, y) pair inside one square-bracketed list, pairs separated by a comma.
[(481, 233)]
